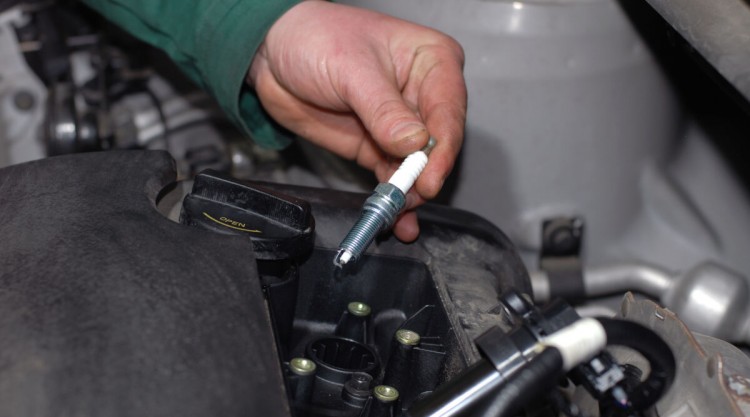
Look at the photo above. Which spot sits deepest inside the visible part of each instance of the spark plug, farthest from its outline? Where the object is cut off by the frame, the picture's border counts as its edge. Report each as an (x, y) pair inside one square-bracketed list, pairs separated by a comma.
[(382, 207)]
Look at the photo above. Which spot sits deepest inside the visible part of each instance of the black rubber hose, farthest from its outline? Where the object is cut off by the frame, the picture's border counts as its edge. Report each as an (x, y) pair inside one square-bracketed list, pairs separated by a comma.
[(532, 381), (654, 349)]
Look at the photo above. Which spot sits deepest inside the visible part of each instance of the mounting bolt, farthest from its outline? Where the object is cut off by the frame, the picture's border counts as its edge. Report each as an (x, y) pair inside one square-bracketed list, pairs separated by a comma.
[(385, 393), (359, 309), (407, 337), (302, 366), (24, 100)]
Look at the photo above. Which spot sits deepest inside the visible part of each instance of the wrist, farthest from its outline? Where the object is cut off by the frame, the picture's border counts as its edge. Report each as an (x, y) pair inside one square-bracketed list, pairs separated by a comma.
[(260, 59)]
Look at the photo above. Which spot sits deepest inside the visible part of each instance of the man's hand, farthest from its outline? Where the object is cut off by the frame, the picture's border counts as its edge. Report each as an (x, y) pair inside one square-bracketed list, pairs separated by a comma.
[(368, 87)]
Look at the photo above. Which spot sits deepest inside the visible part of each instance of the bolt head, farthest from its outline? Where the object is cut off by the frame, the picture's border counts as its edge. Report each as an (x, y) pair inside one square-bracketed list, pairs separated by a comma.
[(24, 100), (407, 337), (385, 393), (358, 309), (302, 366)]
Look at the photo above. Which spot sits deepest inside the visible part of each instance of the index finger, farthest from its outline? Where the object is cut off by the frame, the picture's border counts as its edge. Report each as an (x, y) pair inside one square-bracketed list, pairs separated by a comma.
[(441, 100)]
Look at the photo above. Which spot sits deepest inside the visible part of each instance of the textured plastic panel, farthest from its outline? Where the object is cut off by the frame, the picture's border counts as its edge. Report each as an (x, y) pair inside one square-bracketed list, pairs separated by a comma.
[(109, 309)]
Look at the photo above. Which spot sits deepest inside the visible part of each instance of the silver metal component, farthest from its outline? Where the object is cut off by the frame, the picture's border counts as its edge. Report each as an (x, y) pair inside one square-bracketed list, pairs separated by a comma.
[(718, 29), (385, 393), (540, 286), (67, 130), (21, 93), (712, 300), (302, 366), (24, 100), (381, 209), (709, 298), (185, 131), (632, 276), (430, 145), (712, 377), (611, 279), (359, 309), (407, 337), (378, 214), (627, 160)]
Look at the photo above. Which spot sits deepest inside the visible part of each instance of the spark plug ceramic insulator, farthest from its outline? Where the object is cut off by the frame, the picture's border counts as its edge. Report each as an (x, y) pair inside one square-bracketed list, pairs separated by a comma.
[(382, 207)]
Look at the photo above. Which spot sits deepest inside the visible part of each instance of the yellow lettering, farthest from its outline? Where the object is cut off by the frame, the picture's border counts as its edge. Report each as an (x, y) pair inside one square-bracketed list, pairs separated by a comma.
[(234, 224)]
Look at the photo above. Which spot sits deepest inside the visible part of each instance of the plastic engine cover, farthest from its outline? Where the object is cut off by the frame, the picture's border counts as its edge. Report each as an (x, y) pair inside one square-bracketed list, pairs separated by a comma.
[(107, 308)]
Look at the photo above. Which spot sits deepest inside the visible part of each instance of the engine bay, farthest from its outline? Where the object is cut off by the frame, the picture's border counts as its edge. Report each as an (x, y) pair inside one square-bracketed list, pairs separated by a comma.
[(157, 263)]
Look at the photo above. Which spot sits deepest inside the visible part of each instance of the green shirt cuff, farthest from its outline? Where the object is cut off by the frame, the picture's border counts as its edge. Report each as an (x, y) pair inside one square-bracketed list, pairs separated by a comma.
[(228, 37)]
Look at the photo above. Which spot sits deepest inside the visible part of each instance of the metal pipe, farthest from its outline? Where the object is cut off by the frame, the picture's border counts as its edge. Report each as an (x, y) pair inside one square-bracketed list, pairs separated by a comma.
[(710, 298), (611, 279), (634, 276)]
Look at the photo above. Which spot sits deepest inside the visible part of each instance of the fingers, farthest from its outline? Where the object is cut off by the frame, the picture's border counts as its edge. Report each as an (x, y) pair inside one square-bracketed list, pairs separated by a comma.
[(406, 228), (399, 79), (374, 96), (441, 96), (340, 133)]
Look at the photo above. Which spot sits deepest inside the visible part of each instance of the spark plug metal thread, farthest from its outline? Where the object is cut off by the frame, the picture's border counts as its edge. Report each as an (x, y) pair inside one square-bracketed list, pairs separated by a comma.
[(382, 207), (379, 213)]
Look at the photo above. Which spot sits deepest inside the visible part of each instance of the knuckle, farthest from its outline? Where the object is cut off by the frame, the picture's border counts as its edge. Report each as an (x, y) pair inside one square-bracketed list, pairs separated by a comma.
[(389, 113), (455, 48)]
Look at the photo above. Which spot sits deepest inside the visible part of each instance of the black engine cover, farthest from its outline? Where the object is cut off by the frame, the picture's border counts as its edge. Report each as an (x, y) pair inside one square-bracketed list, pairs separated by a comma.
[(107, 308)]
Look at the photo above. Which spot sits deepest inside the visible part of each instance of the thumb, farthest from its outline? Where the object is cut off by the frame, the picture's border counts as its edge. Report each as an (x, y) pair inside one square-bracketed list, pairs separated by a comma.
[(380, 106)]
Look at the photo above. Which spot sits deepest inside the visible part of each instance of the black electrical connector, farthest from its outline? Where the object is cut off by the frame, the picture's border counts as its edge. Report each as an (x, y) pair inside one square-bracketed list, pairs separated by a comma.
[(513, 372), (654, 349)]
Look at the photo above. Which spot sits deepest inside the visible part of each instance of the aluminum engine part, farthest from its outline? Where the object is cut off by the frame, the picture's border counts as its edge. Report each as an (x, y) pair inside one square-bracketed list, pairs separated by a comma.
[(186, 131), (709, 298), (713, 377), (570, 115), (22, 95)]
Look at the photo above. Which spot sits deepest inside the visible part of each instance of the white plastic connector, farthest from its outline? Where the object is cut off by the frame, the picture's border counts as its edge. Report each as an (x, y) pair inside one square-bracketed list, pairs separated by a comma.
[(406, 175), (578, 342)]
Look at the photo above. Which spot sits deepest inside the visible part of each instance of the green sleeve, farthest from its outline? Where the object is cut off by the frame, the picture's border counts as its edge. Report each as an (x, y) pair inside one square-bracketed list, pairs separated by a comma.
[(213, 41)]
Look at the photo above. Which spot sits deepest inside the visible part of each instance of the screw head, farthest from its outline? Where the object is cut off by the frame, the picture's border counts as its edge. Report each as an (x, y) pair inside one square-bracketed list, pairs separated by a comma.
[(359, 309), (24, 100), (302, 366), (407, 337), (385, 393), (359, 381)]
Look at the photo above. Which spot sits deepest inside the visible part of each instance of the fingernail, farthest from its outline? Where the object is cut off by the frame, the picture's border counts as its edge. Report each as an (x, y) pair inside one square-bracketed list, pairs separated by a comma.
[(408, 130)]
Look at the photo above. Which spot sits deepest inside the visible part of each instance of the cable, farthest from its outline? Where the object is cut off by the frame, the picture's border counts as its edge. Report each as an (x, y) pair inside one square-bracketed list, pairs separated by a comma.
[(533, 380)]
